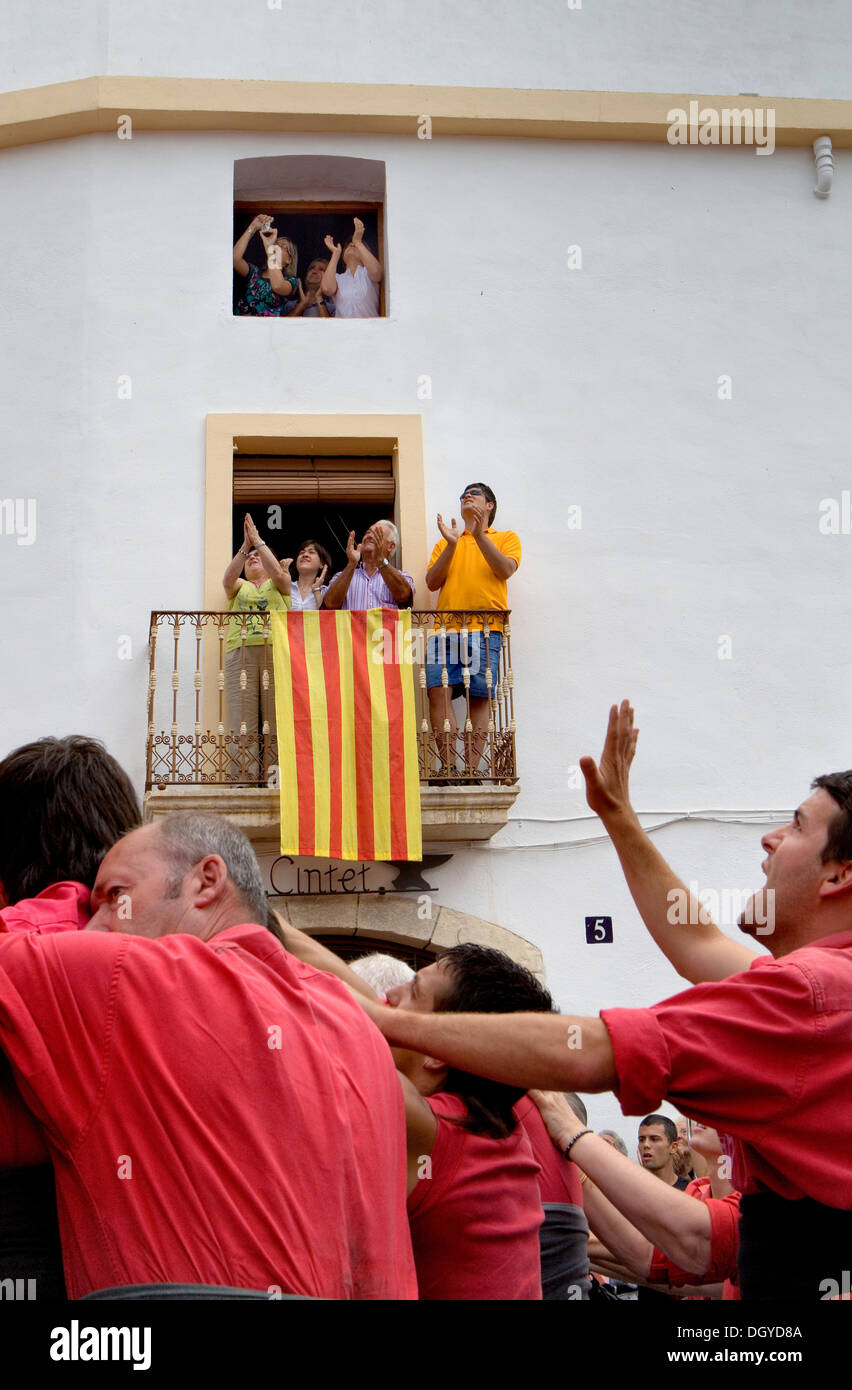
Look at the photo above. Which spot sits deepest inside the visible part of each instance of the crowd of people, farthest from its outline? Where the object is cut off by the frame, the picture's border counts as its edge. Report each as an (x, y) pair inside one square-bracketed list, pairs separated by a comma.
[(468, 569), (201, 1101), (277, 291)]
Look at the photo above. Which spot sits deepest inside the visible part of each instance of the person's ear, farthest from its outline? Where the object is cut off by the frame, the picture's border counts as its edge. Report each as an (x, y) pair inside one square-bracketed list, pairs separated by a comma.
[(209, 880), (838, 882), (434, 1066)]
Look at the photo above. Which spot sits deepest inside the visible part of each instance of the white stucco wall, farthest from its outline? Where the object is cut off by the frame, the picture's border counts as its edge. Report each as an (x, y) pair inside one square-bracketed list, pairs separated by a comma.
[(776, 47), (595, 386)]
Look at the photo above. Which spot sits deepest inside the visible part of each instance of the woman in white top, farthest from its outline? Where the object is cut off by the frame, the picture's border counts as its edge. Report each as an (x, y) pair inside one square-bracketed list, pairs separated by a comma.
[(356, 289), (312, 564)]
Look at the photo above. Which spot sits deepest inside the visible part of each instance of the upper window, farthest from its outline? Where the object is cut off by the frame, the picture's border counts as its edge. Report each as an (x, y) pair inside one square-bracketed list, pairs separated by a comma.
[(309, 237)]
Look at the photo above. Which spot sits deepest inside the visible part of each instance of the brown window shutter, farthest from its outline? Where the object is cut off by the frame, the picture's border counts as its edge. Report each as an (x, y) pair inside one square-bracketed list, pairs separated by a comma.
[(288, 480)]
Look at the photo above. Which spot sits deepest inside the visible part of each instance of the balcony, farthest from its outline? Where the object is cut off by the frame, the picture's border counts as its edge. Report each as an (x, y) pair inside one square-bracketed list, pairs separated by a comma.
[(212, 745)]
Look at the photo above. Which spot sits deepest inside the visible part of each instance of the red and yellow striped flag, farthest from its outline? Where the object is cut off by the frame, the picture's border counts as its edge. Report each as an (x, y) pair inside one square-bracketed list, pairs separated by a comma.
[(347, 735)]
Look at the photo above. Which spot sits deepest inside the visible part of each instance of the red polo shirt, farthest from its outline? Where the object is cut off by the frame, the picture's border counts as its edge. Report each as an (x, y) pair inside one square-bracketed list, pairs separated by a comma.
[(766, 1056), (216, 1113)]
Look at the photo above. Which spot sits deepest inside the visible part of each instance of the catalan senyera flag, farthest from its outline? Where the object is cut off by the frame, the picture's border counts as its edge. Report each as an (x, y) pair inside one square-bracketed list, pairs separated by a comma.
[(347, 734)]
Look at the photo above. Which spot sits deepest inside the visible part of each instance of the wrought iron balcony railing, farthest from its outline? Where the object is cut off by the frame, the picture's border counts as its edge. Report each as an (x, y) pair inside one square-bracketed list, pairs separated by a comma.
[(211, 712)]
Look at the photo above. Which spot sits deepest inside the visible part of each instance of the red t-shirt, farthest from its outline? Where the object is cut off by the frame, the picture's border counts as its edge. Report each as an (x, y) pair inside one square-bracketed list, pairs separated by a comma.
[(475, 1217), (764, 1056), (216, 1112), (559, 1179), (61, 907), (724, 1242)]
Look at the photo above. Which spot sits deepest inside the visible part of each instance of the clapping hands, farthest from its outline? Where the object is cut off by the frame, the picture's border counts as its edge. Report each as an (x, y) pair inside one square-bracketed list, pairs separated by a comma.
[(451, 532)]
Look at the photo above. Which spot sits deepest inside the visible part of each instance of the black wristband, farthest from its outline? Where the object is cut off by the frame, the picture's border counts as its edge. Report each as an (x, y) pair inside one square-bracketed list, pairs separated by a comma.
[(567, 1152)]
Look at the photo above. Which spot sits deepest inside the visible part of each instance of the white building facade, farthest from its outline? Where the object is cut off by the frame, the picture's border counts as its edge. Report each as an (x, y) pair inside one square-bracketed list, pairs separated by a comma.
[(641, 346)]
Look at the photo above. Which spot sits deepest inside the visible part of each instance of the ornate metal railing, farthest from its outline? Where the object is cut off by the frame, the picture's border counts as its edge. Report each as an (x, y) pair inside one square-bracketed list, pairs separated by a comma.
[(211, 712)]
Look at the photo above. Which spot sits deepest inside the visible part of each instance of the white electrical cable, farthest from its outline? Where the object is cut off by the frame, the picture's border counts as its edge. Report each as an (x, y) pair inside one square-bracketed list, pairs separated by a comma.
[(673, 818)]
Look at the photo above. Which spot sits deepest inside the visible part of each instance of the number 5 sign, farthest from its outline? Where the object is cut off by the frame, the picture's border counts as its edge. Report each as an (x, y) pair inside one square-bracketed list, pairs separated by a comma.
[(598, 929)]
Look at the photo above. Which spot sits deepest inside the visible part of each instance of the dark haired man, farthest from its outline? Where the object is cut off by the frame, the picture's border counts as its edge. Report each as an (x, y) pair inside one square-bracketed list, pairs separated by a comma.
[(171, 1055), (473, 1194), (63, 803), (657, 1145), (762, 1054), (471, 570)]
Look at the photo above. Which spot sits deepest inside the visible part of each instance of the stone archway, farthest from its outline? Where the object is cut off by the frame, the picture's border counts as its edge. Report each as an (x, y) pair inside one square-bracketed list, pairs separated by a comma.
[(410, 919)]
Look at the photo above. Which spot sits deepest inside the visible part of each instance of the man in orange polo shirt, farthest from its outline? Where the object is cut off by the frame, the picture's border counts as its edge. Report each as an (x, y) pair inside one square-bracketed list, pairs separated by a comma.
[(471, 570)]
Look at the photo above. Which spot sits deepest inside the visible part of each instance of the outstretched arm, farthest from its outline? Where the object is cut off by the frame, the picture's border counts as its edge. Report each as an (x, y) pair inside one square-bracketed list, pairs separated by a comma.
[(681, 927), (550, 1051), (661, 1215), (312, 952), (241, 265)]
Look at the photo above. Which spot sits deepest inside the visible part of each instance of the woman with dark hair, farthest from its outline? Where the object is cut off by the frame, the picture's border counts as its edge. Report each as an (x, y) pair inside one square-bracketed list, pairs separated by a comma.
[(312, 564)]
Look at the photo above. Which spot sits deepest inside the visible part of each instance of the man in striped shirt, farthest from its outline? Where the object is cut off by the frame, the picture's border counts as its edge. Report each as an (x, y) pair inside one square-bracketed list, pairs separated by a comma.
[(371, 579)]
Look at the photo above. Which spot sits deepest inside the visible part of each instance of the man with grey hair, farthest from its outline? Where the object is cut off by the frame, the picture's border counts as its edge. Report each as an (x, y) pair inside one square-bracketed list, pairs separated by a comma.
[(371, 578), (181, 1068), (382, 971)]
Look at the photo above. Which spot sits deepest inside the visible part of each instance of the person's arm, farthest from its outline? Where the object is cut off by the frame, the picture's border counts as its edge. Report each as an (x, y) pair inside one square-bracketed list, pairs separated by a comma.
[(697, 949), (328, 284), (231, 579), (279, 574), (399, 585), (397, 581), (302, 305), (656, 1213), (550, 1051), (436, 575), (372, 266), (339, 586), (502, 565), (421, 1129), (306, 948), (241, 265)]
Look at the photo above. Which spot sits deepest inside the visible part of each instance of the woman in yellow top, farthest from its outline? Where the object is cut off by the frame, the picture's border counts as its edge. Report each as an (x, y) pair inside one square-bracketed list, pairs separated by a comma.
[(265, 588)]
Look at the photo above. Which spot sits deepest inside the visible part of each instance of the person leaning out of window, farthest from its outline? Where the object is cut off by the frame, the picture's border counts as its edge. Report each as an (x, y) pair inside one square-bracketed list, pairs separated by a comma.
[(266, 291), (356, 289)]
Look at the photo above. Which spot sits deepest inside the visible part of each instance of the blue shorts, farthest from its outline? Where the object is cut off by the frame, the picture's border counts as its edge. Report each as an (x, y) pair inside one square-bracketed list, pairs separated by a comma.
[(477, 659)]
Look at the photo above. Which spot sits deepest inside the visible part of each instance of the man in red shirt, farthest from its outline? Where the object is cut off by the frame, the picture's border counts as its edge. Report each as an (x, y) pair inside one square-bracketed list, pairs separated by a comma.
[(763, 1054), (217, 1113)]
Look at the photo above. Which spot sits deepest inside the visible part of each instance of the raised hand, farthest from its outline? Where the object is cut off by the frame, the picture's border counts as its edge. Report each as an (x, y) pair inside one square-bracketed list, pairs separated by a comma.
[(358, 234), (259, 221), (320, 579), (353, 551), (250, 531), (333, 246), (560, 1121), (477, 522), (608, 786), (451, 532)]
